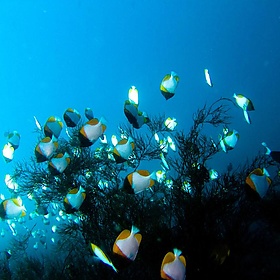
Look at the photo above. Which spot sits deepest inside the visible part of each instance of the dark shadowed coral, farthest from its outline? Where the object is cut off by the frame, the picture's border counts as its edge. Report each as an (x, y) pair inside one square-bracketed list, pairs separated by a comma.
[(220, 225)]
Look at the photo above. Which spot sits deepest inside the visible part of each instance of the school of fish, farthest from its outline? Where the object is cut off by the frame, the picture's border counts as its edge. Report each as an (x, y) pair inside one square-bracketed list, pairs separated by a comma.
[(128, 241)]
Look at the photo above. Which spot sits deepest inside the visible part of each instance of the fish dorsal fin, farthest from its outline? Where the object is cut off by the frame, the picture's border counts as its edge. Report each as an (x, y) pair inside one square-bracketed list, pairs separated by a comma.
[(168, 258), (17, 202), (124, 234), (93, 121), (239, 95), (183, 260), (229, 133), (166, 77), (46, 140), (51, 119), (60, 155), (144, 172), (257, 171), (73, 191), (123, 141)]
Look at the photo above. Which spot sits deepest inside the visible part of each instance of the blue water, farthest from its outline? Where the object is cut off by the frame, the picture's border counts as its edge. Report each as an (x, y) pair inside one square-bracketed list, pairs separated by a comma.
[(60, 54)]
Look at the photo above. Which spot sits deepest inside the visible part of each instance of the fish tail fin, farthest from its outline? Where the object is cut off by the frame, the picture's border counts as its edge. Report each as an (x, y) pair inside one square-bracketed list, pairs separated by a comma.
[(177, 252), (153, 176), (134, 229)]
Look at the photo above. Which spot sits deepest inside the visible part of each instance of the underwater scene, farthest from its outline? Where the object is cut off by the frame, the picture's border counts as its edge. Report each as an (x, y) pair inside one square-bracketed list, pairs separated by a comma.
[(140, 139)]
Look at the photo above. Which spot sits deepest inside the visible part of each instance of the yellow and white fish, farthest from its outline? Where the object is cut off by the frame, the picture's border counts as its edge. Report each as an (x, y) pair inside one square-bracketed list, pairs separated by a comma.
[(58, 163), (259, 181), (123, 150), (53, 127), (173, 266), (169, 85), (45, 149), (74, 199), (11, 183), (228, 140), (8, 152), (91, 131), (245, 104), (127, 243), (12, 208), (138, 181), (102, 256)]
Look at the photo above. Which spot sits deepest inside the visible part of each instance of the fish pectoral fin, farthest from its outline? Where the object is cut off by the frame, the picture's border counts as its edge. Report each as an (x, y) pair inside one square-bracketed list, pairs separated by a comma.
[(247, 118)]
